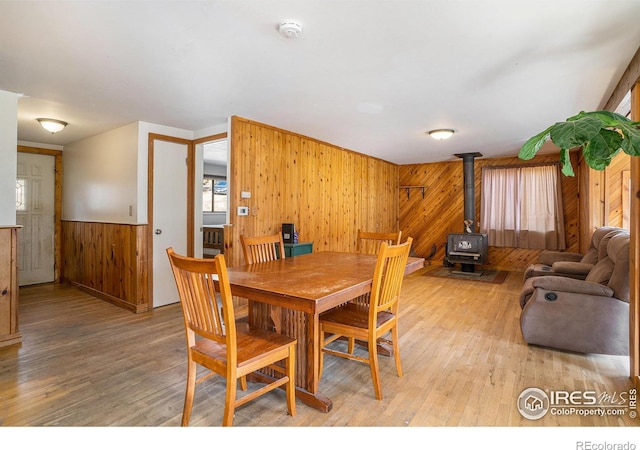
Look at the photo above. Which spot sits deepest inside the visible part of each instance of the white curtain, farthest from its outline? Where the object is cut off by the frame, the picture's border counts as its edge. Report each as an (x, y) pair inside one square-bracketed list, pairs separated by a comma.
[(522, 207)]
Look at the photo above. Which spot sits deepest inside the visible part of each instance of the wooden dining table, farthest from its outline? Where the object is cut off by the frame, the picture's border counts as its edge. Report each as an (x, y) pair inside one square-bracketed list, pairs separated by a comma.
[(288, 295)]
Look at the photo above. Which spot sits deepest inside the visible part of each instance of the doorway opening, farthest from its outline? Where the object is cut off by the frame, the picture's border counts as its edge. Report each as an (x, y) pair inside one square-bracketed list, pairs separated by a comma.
[(215, 204)]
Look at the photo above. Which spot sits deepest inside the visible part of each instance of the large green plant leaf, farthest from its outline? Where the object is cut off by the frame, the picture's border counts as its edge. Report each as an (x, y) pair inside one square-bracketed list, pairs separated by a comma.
[(607, 118), (600, 150), (631, 142), (574, 133), (531, 147), (565, 159), (601, 134)]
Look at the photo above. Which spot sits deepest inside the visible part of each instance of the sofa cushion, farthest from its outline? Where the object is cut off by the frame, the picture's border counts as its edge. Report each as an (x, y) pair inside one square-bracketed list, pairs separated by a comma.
[(574, 268), (548, 257), (601, 272), (569, 285), (527, 290), (619, 253), (591, 257)]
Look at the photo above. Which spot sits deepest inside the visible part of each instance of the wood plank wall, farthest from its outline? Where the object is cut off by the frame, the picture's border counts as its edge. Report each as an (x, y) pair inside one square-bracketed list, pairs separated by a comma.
[(107, 260), (615, 184), (328, 192), (590, 205), (429, 220), (602, 197)]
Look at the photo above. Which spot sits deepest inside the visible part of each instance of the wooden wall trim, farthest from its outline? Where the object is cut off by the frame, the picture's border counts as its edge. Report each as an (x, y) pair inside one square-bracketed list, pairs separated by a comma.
[(214, 137), (39, 150), (627, 82), (630, 82), (634, 265), (57, 154)]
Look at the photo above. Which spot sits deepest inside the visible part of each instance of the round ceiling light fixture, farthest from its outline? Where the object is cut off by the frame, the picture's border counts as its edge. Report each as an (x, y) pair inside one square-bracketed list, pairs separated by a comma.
[(52, 125), (441, 134), (290, 29)]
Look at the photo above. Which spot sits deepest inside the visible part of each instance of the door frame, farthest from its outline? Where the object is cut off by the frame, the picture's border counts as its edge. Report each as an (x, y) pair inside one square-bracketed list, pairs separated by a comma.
[(57, 211), (190, 200), (203, 140), (191, 175)]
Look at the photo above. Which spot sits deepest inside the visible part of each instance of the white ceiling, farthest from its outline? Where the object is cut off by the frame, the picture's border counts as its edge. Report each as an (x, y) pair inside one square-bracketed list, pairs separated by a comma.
[(215, 152), (371, 76)]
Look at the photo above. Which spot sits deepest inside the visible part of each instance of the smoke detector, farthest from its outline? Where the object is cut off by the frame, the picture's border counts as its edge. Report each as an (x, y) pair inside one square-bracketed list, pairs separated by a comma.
[(290, 29)]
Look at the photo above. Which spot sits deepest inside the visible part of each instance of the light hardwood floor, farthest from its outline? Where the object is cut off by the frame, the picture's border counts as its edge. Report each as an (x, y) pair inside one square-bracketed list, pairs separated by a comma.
[(84, 362)]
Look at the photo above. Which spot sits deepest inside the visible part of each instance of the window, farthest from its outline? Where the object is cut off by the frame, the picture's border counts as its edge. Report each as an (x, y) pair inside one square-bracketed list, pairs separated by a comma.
[(522, 207), (21, 195), (214, 194)]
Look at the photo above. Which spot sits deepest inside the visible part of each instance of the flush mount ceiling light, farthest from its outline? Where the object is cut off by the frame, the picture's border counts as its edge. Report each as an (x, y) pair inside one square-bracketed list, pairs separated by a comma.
[(441, 134), (52, 125), (290, 29)]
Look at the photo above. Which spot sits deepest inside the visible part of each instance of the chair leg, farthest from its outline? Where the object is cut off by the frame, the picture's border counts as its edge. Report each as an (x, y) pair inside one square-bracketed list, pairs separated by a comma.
[(230, 402), (396, 350), (243, 383), (375, 371), (290, 366), (189, 393), (351, 345)]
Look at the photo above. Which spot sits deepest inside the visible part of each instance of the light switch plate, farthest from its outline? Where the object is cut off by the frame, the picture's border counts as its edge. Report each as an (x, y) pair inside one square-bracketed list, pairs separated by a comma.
[(243, 210)]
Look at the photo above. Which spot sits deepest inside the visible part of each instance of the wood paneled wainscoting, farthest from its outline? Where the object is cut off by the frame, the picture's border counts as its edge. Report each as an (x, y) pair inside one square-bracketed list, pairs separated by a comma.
[(9, 333), (107, 260)]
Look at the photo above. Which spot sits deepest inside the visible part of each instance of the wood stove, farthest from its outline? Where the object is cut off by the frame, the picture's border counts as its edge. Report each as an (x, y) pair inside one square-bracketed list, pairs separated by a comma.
[(468, 248)]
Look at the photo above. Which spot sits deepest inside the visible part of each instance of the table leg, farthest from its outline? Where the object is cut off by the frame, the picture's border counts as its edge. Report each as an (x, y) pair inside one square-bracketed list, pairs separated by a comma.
[(304, 328), (276, 318)]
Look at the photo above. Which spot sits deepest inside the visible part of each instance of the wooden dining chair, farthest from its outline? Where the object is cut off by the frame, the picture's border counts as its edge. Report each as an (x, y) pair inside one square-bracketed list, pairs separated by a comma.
[(262, 248), (369, 242), (214, 342), (213, 238), (369, 323)]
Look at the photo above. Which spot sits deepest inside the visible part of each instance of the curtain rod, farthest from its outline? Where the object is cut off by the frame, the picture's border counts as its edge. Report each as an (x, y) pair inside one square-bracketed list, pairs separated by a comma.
[(515, 166)]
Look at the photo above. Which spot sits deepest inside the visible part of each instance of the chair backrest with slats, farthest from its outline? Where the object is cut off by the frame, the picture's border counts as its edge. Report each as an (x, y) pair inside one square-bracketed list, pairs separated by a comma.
[(196, 280), (387, 279), (369, 242), (258, 249)]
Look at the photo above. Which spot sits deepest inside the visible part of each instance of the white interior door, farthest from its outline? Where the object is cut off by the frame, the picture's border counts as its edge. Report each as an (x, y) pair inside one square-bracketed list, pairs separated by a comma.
[(35, 211), (169, 215)]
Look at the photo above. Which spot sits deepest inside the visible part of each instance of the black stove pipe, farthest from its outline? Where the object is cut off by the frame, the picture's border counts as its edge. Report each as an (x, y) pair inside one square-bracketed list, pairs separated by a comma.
[(469, 190)]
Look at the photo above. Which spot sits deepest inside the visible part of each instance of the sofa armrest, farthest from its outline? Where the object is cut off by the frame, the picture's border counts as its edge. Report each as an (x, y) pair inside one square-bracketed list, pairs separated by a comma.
[(576, 322), (549, 257), (570, 285), (571, 267)]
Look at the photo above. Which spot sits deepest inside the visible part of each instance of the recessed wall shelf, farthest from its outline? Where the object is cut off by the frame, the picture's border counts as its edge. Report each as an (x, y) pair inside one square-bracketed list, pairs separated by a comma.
[(407, 188)]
